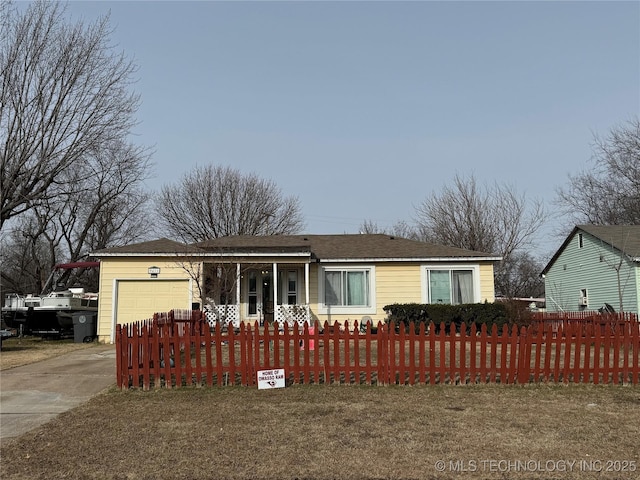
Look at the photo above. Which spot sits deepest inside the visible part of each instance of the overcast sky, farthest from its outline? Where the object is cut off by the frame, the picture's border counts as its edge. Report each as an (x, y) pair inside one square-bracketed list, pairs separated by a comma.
[(362, 109)]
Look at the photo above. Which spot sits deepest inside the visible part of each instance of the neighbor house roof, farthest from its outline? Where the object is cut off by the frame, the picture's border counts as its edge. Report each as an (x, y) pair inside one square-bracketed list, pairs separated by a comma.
[(624, 238), (342, 247)]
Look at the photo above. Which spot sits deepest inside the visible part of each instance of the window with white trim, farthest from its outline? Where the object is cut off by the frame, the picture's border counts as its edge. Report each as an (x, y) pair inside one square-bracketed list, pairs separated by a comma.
[(347, 289), (454, 286)]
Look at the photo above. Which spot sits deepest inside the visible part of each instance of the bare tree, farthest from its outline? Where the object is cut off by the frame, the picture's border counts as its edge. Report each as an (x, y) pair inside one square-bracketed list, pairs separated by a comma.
[(64, 92), (608, 192), (398, 229), (520, 277), (25, 256), (213, 201), (493, 219), (105, 207), (108, 204)]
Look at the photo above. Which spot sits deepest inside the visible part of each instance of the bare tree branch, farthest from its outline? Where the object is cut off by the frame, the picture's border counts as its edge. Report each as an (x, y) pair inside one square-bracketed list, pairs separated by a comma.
[(212, 202), (398, 229), (608, 193), (493, 219), (64, 92), (105, 207)]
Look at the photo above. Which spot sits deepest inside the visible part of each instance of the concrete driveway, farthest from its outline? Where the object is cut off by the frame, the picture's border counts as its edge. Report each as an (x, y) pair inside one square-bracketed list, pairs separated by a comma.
[(33, 394)]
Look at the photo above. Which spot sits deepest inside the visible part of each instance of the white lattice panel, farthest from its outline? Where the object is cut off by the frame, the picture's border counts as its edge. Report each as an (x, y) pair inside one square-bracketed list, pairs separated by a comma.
[(291, 314), (223, 313)]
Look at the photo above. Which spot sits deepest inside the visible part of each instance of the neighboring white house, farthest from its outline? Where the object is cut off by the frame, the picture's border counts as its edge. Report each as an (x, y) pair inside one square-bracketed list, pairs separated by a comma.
[(597, 266)]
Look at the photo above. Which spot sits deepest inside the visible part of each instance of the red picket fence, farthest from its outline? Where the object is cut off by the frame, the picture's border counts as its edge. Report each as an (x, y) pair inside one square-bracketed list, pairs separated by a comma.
[(175, 350), (605, 323), (183, 350)]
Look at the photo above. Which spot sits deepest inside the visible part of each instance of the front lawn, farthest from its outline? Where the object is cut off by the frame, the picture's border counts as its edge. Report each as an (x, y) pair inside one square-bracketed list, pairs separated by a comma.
[(18, 351), (343, 432)]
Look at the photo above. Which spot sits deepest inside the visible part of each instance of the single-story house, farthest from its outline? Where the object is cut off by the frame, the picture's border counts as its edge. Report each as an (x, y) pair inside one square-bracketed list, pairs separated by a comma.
[(597, 267), (286, 278)]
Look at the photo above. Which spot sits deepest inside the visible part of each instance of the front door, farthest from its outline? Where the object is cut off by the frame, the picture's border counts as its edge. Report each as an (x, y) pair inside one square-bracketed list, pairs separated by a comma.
[(267, 297), (260, 296)]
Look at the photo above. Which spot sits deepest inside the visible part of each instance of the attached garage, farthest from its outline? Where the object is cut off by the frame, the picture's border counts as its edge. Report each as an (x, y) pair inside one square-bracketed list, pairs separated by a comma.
[(139, 280), (140, 299)]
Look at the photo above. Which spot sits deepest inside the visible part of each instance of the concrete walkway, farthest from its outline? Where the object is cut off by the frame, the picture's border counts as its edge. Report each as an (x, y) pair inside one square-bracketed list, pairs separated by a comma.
[(33, 394)]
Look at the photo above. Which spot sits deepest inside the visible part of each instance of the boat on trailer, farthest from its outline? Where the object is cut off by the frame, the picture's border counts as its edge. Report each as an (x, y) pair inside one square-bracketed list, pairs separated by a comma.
[(50, 314)]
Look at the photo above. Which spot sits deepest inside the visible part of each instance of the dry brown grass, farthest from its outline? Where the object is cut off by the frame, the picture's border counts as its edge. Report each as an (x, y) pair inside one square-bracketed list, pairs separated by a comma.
[(22, 351), (347, 432)]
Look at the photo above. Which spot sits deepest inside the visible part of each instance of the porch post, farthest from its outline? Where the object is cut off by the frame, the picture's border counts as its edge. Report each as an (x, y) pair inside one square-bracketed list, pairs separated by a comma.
[(275, 289), (306, 283), (238, 285)]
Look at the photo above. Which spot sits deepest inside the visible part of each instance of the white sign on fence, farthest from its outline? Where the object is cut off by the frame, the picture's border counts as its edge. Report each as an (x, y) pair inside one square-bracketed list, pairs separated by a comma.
[(271, 378)]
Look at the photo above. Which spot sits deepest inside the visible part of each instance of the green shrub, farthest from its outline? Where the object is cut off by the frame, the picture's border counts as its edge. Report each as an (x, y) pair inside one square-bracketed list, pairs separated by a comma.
[(452, 316)]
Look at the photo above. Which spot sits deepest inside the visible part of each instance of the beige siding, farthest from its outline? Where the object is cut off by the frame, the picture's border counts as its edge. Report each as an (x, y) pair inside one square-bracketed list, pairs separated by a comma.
[(487, 285), (396, 283), (113, 270)]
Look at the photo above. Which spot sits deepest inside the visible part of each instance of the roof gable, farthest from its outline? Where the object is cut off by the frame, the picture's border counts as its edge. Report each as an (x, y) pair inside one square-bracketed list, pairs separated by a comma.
[(624, 238)]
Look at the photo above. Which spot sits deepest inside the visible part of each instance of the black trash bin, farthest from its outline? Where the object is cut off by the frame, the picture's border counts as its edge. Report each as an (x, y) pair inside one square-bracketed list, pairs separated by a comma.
[(84, 327)]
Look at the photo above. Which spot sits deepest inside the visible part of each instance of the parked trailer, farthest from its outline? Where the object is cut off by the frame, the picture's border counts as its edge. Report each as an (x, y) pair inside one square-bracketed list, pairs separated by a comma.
[(50, 314)]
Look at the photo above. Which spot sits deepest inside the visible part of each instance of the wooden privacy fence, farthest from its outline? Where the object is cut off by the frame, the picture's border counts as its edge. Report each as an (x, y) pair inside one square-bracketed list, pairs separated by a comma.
[(172, 352)]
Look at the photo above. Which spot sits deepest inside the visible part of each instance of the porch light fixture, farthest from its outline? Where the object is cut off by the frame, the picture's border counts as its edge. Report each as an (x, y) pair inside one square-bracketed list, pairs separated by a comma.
[(153, 271)]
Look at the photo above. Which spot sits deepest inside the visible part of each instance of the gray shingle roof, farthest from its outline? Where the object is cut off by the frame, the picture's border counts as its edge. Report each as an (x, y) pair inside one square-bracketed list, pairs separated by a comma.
[(625, 238), (320, 247), (160, 246), (347, 247)]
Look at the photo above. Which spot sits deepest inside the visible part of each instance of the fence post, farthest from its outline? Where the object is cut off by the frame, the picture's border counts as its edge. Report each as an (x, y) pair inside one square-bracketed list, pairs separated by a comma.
[(250, 365), (118, 355), (135, 350), (326, 342), (524, 357), (382, 352), (635, 359), (244, 376), (462, 351), (432, 353), (336, 352), (356, 353), (399, 373), (422, 365), (367, 353), (316, 353), (442, 345), (218, 353), (483, 353)]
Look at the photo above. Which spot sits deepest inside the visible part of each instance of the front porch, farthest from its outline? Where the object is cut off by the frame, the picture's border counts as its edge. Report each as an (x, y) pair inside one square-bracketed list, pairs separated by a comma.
[(283, 314), (263, 293)]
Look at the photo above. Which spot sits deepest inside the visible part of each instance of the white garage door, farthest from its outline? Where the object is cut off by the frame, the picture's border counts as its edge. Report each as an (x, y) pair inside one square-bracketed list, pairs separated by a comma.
[(140, 299)]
